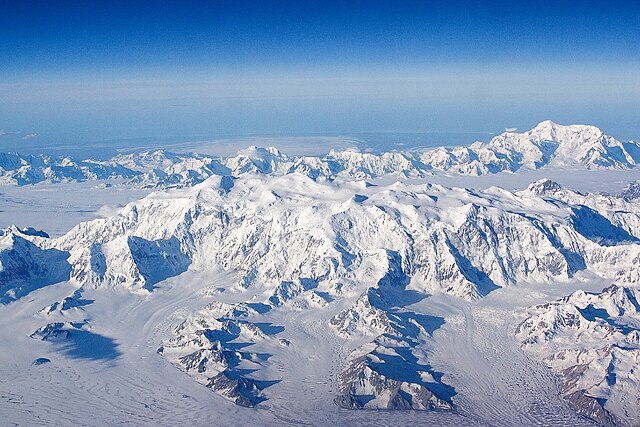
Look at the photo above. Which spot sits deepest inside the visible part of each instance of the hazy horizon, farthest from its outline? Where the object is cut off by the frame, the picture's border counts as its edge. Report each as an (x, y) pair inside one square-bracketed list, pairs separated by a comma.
[(76, 73)]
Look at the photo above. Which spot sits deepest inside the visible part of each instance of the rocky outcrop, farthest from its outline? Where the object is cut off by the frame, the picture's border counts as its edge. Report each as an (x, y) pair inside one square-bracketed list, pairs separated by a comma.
[(592, 341)]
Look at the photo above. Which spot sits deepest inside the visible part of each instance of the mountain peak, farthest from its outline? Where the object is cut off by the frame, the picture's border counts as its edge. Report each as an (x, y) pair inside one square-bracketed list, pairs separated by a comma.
[(546, 124), (255, 151), (552, 131), (543, 186)]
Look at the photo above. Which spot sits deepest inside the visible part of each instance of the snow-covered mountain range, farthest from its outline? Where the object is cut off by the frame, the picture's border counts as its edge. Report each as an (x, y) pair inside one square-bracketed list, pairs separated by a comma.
[(547, 145), (310, 285), (593, 341), (276, 230), (356, 257)]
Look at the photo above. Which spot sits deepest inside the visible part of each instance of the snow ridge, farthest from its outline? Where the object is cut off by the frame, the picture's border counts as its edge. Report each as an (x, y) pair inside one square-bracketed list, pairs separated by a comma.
[(547, 145), (593, 341), (271, 231)]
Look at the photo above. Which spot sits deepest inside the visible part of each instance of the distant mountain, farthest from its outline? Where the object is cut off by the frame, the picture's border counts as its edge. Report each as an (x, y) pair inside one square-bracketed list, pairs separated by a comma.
[(631, 191), (548, 144), (24, 170)]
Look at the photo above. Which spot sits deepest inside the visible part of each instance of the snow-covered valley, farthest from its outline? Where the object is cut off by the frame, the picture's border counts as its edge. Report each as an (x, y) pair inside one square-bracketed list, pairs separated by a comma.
[(353, 288)]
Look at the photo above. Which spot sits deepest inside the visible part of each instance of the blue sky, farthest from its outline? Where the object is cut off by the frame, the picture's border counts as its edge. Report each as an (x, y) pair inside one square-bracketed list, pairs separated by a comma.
[(85, 71)]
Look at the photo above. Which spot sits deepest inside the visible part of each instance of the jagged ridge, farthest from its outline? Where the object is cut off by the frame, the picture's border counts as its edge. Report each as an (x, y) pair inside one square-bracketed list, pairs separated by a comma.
[(593, 341), (548, 144)]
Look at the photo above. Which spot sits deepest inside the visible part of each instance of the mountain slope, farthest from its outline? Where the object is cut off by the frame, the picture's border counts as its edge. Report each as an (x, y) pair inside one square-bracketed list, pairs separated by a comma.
[(593, 341), (270, 230)]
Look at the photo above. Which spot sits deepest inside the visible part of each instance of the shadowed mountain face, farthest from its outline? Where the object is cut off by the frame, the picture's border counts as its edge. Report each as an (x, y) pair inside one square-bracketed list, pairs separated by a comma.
[(26, 267), (595, 227), (156, 260), (591, 340)]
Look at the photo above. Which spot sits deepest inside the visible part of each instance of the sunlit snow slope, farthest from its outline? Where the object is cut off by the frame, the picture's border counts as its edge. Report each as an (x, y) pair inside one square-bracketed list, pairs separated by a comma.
[(313, 297)]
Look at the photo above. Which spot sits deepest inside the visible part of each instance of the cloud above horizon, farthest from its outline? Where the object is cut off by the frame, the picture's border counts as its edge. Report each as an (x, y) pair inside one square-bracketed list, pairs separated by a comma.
[(225, 68)]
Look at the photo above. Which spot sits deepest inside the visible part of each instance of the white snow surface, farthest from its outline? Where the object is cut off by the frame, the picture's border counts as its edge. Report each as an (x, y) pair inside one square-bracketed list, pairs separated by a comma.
[(259, 292), (593, 341)]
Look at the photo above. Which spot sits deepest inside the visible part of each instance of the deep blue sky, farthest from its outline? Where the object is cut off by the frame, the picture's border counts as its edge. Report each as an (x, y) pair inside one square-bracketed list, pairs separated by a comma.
[(85, 71)]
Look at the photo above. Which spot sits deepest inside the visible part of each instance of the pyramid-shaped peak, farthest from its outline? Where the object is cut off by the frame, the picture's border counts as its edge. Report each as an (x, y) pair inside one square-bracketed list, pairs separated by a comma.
[(543, 186), (546, 124)]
